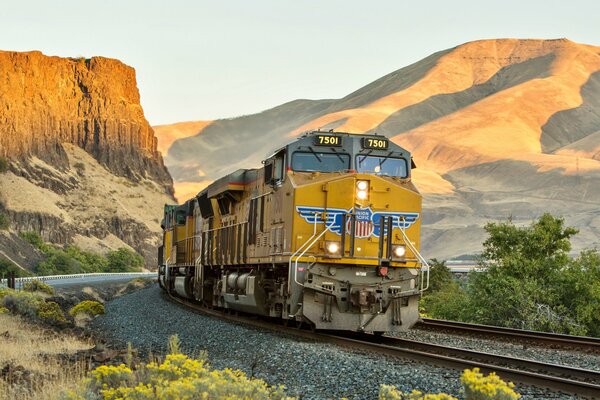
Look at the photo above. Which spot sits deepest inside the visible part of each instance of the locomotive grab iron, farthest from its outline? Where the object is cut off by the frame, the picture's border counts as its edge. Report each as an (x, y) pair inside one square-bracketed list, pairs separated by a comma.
[(325, 233)]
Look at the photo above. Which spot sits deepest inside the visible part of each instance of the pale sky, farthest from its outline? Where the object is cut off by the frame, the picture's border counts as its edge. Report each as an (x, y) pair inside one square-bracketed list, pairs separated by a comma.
[(204, 60)]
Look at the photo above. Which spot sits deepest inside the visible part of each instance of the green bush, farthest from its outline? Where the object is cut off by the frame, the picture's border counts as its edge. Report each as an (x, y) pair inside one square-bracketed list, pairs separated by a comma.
[(4, 164), (124, 260), (32, 238), (529, 282), (22, 303), (88, 261), (4, 221), (31, 305), (450, 302), (73, 260), (89, 307), (38, 286), (58, 262), (51, 312), (4, 310)]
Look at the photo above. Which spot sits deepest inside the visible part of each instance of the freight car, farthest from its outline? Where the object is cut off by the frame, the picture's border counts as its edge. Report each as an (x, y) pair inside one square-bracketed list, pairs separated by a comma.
[(325, 233)]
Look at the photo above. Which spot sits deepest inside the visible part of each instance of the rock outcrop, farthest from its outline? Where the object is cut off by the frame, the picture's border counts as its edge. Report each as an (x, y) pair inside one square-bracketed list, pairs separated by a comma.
[(83, 165), (91, 103)]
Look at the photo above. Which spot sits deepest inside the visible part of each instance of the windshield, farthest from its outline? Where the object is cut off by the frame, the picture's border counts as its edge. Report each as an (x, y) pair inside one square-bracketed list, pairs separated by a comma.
[(382, 165), (321, 162)]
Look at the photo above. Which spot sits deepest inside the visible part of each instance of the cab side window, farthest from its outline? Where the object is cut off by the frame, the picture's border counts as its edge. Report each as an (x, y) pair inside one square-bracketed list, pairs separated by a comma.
[(278, 167), (275, 169)]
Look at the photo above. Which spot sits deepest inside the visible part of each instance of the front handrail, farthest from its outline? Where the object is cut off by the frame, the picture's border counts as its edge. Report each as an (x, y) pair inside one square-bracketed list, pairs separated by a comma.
[(419, 257), (305, 247)]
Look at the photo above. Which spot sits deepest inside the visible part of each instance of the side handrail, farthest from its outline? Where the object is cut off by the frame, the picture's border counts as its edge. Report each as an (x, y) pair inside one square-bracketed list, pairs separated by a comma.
[(300, 249)]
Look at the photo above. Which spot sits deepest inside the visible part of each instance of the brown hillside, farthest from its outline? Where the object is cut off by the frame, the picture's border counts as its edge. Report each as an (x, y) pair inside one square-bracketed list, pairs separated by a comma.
[(84, 165), (498, 128)]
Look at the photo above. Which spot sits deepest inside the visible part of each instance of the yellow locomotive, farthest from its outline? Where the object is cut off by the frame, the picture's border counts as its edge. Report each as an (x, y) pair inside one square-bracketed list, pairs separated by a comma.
[(325, 233)]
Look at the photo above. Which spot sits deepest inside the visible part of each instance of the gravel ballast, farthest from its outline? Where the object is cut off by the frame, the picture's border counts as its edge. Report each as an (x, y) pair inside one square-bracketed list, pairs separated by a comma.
[(309, 370)]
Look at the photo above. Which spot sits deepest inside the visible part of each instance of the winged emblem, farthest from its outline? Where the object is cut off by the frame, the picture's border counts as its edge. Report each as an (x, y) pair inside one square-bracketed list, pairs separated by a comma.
[(367, 222), (333, 216)]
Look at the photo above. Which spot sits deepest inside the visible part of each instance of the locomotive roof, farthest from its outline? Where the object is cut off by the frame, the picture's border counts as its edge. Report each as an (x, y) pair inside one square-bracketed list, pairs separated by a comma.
[(308, 137), (236, 180)]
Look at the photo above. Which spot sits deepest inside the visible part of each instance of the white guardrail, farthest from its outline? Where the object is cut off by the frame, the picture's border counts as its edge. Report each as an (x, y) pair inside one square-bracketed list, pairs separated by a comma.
[(75, 276)]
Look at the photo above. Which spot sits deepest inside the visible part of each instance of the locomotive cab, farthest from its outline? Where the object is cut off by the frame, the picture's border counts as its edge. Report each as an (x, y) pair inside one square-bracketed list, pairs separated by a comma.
[(355, 233)]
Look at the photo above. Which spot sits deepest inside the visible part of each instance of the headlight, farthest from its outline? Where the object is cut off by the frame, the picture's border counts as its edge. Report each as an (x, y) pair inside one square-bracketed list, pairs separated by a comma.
[(333, 248), (399, 251), (362, 190)]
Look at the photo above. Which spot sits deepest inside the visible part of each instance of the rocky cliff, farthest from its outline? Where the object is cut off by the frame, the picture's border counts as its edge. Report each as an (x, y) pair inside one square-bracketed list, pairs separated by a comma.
[(91, 103), (83, 161)]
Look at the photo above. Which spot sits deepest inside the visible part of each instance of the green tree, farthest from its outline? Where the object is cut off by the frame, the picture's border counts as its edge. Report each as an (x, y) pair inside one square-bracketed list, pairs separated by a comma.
[(124, 260), (90, 262), (439, 275), (59, 262), (6, 266), (580, 290), (521, 286)]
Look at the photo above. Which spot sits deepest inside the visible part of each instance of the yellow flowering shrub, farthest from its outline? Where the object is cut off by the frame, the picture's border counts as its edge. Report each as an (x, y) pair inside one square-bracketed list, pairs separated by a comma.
[(491, 387), (89, 307), (108, 376), (3, 310), (4, 292), (178, 377), (388, 392), (49, 310), (476, 386)]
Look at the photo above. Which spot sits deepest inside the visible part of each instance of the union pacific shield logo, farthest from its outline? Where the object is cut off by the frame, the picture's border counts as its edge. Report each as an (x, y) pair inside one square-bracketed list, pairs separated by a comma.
[(363, 226), (367, 220)]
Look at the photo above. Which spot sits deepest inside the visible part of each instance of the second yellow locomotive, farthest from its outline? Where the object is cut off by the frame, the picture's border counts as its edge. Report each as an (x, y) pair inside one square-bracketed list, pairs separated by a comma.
[(325, 233)]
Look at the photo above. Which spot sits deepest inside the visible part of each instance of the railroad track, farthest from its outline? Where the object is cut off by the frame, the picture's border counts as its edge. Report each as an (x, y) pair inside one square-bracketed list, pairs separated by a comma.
[(551, 339), (581, 382)]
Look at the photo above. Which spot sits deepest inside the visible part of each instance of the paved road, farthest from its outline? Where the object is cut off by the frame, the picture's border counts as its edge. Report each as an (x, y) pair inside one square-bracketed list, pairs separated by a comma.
[(90, 280), (81, 281)]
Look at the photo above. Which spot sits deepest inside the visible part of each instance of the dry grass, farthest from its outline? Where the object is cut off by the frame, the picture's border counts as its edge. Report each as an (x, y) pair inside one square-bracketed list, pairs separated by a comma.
[(42, 353)]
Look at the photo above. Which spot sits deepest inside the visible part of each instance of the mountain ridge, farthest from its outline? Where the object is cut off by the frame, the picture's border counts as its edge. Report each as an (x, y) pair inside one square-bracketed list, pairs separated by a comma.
[(498, 128)]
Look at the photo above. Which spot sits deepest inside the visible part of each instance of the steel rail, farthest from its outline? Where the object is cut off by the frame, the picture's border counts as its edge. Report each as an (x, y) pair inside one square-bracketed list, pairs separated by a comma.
[(586, 375), (425, 354), (578, 342)]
